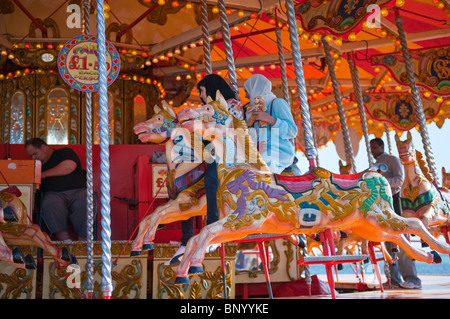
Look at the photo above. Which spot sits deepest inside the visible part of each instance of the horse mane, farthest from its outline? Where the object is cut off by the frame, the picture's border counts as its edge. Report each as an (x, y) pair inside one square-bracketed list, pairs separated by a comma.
[(423, 166), (166, 114), (246, 143)]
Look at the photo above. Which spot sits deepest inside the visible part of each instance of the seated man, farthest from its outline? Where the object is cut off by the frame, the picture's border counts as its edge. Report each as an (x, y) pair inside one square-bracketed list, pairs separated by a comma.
[(64, 189)]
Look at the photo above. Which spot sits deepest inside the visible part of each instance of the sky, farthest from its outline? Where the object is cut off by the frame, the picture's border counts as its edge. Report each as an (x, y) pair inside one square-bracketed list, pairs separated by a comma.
[(440, 144)]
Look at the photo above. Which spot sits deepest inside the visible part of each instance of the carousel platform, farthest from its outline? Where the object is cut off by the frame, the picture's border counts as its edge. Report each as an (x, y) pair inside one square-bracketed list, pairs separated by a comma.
[(433, 287)]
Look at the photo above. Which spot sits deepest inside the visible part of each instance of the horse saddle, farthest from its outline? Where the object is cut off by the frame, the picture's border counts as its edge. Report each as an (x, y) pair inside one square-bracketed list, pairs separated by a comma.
[(303, 183), (186, 180)]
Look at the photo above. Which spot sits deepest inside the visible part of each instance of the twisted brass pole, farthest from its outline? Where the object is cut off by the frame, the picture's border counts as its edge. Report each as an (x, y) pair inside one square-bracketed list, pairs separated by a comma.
[(418, 107)]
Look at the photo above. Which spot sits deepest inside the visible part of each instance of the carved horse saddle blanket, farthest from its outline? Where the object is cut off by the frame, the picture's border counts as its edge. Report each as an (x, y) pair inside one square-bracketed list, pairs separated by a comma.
[(303, 183), (187, 180)]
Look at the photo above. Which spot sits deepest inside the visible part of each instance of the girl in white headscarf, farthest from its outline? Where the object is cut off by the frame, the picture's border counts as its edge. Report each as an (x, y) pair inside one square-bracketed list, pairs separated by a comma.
[(277, 137)]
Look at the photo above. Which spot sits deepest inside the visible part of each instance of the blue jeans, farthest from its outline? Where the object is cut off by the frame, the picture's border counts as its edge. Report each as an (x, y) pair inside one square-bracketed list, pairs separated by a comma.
[(212, 213)]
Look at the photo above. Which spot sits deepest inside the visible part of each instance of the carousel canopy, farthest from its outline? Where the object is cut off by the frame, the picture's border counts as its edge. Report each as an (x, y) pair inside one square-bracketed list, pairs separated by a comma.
[(160, 42)]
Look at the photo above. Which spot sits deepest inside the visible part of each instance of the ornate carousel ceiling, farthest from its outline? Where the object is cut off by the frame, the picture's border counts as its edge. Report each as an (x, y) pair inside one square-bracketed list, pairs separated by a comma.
[(160, 42)]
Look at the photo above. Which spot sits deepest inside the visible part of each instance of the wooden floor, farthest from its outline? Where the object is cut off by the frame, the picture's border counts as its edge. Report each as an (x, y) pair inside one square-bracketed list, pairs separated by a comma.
[(433, 287)]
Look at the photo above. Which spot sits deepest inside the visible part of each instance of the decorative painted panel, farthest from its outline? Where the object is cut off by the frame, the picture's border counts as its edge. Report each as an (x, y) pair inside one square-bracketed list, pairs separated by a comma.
[(129, 275), (115, 110), (17, 283), (17, 118), (150, 96), (57, 116), (46, 107), (397, 109), (431, 67), (139, 110), (18, 106), (336, 16)]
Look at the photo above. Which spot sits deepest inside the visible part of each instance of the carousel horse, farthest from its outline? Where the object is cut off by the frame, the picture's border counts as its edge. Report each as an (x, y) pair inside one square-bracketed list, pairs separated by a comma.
[(185, 181), (420, 198), (186, 175), (15, 230), (348, 241), (253, 200)]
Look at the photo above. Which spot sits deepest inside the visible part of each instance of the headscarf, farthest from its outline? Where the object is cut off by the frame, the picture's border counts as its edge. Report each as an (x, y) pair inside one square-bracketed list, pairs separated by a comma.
[(214, 82), (259, 85)]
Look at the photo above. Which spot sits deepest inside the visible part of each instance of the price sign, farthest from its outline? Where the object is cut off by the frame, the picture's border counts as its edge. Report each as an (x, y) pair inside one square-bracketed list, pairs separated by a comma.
[(78, 63), (159, 181)]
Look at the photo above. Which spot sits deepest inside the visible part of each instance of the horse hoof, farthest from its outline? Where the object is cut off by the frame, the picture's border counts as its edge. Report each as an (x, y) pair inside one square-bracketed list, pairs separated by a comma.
[(65, 254), (30, 263), (73, 260), (135, 253), (436, 258), (182, 281), (148, 247), (194, 270), (9, 215), (17, 256)]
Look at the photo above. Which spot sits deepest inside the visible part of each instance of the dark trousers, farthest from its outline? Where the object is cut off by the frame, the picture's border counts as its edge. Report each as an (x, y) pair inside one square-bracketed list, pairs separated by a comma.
[(405, 267), (212, 213)]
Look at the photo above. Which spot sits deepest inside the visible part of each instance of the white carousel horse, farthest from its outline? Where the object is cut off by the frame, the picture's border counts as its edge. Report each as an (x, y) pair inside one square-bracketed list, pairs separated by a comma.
[(255, 201), (186, 170), (420, 197), (15, 230), (185, 175)]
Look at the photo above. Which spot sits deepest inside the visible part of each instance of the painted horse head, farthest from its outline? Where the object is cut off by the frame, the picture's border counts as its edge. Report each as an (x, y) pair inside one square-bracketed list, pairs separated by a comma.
[(406, 150), (213, 116), (409, 155), (158, 128), (214, 123)]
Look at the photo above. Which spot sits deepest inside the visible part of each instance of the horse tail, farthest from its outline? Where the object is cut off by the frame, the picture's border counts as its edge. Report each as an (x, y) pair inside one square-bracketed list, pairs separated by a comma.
[(423, 166)]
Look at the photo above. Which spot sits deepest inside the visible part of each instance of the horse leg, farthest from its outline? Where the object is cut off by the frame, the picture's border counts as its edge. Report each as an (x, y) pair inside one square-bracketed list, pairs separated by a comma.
[(15, 257), (214, 233), (197, 207), (415, 226), (33, 236), (144, 226), (6, 255), (136, 246), (164, 214), (8, 215), (387, 257), (296, 240)]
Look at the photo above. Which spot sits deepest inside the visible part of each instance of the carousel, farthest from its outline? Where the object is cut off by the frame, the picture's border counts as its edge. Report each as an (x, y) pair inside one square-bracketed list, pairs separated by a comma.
[(116, 82)]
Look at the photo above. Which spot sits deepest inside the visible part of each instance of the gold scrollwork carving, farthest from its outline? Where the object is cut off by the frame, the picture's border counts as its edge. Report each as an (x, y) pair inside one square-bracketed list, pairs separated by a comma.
[(17, 284), (209, 284), (127, 281)]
